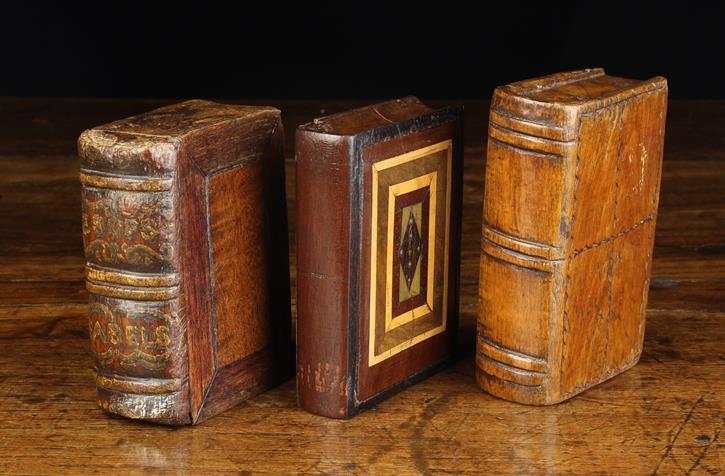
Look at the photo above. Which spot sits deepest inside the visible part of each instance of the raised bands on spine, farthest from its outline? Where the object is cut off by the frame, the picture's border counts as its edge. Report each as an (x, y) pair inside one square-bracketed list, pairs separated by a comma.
[(520, 245), (527, 378), (529, 144), (511, 357), (145, 385), (518, 259), (545, 130), (99, 274), (134, 293), (531, 389), (125, 182)]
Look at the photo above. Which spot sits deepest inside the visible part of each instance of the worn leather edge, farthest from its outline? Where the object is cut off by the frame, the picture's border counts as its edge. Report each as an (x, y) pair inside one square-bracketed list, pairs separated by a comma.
[(323, 247)]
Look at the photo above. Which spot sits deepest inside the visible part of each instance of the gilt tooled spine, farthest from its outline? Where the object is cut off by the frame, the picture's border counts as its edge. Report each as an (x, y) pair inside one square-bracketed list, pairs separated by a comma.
[(323, 279), (136, 324), (518, 350)]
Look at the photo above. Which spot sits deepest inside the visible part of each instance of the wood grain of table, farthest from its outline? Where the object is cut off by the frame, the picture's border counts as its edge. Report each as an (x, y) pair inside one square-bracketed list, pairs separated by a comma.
[(664, 416)]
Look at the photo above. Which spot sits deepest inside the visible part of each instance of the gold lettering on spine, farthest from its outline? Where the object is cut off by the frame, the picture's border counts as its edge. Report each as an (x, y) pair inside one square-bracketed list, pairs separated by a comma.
[(113, 332), (130, 336), (162, 336), (131, 339), (127, 230)]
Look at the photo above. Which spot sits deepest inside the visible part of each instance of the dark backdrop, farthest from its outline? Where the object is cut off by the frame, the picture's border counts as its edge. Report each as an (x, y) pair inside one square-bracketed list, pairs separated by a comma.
[(346, 49)]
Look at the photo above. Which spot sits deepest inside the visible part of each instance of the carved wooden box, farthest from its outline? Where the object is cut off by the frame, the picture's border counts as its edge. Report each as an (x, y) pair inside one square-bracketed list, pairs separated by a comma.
[(184, 227), (379, 201), (572, 185)]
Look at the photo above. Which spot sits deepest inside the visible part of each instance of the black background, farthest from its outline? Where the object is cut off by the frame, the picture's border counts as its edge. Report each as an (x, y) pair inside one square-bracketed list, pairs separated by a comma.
[(266, 49)]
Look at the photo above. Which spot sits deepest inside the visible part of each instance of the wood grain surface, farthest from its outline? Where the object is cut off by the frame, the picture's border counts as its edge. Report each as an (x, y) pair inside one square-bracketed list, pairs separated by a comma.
[(663, 416), (573, 170)]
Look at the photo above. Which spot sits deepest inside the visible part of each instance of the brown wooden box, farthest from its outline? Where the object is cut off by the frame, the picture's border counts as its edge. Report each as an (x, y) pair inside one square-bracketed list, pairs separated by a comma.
[(378, 227), (570, 204), (184, 226)]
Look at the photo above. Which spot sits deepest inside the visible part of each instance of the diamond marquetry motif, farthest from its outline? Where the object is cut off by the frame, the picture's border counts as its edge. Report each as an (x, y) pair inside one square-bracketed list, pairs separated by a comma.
[(410, 250)]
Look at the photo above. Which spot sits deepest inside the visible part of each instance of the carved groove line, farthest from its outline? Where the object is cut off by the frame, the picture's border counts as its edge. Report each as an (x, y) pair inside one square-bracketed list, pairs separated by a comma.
[(518, 239), (528, 135), (519, 149), (508, 115), (518, 266), (510, 358), (613, 237), (517, 353), (511, 368)]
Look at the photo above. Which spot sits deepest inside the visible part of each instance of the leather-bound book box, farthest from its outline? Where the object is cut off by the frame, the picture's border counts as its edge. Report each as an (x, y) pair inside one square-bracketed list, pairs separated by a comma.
[(378, 229), (570, 204), (185, 234)]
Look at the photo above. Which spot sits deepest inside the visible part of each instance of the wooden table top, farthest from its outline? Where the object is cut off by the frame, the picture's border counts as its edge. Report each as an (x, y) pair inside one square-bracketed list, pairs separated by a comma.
[(664, 416)]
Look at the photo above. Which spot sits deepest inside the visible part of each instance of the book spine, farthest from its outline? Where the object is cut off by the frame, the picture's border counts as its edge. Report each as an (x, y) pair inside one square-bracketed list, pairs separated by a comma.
[(323, 280), (522, 253), (137, 328)]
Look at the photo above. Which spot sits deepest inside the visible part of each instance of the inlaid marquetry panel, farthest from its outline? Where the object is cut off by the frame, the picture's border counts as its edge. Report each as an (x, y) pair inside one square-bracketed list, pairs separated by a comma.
[(409, 249)]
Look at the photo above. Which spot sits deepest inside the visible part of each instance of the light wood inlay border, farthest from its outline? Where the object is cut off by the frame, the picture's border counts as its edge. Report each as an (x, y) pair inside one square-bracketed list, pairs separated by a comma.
[(427, 180), (412, 184)]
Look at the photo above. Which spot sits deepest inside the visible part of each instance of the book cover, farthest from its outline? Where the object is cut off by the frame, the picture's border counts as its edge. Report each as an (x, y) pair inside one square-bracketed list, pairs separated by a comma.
[(184, 229), (570, 204), (379, 202)]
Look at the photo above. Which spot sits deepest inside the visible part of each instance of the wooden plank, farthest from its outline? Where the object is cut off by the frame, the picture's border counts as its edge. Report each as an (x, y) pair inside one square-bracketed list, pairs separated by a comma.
[(666, 411)]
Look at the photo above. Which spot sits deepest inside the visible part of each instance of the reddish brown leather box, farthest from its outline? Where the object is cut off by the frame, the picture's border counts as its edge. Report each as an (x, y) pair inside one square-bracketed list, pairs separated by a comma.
[(184, 226), (378, 227), (572, 185)]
